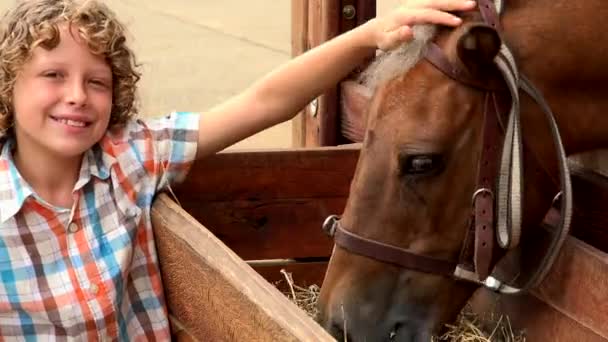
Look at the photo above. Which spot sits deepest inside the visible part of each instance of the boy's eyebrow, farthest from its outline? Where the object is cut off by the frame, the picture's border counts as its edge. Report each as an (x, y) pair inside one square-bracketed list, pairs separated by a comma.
[(106, 69)]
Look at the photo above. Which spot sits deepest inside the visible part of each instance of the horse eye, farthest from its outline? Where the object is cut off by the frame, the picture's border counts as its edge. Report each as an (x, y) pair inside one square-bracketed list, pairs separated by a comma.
[(420, 164)]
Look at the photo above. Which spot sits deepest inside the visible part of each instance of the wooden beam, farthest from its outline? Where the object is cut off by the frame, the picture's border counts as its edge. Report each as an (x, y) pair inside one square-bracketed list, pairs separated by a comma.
[(364, 11), (568, 306), (303, 274), (213, 293), (577, 286), (321, 120), (590, 193), (268, 229), (299, 44), (271, 174), (259, 203), (313, 23)]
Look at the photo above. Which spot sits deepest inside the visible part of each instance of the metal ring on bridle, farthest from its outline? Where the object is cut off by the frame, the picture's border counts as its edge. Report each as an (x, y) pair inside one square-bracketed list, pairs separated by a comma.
[(481, 191), (330, 223), (556, 198)]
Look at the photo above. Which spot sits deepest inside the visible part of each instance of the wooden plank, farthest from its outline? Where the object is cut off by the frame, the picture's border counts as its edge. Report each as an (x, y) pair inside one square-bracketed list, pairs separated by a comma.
[(320, 21), (577, 286), (303, 274), (213, 293), (364, 10), (321, 119), (271, 174), (270, 229), (590, 192), (539, 321), (570, 304), (299, 27), (179, 332), (260, 202), (542, 323), (596, 160), (299, 44)]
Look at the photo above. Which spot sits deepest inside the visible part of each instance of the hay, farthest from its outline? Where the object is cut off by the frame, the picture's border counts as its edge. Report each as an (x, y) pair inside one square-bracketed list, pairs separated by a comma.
[(304, 297), (468, 327)]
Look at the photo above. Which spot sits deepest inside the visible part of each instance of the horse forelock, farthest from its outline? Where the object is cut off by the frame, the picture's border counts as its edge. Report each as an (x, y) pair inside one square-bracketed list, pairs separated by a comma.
[(399, 60)]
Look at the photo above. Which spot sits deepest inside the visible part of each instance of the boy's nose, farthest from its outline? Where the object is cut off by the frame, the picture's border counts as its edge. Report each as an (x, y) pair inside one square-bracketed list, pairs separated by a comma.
[(76, 93)]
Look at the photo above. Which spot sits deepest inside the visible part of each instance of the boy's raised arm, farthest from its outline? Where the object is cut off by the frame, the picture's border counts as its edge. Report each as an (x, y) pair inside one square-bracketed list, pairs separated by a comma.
[(285, 91)]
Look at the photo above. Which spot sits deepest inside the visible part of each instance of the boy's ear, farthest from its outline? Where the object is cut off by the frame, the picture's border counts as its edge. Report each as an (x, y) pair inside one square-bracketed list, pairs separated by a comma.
[(478, 46)]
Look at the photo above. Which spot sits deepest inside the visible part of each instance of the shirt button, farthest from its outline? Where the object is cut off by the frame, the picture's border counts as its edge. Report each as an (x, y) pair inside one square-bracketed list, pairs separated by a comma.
[(73, 227), (93, 289), (129, 212)]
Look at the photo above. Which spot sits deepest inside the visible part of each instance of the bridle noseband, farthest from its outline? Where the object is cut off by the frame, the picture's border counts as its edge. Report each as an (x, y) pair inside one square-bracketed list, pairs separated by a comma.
[(496, 217)]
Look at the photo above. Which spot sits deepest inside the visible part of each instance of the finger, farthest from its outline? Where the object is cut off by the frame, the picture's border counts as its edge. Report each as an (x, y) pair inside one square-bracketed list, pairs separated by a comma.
[(426, 16), (444, 5), (397, 37)]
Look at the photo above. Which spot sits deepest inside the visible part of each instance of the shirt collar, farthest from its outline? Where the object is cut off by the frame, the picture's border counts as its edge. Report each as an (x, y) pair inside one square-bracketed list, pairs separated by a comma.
[(95, 163), (14, 190)]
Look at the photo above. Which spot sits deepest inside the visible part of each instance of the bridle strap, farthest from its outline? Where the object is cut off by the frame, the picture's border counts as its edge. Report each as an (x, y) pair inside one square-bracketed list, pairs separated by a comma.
[(437, 58), (490, 12), (483, 197), (558, 221), (385, 252)]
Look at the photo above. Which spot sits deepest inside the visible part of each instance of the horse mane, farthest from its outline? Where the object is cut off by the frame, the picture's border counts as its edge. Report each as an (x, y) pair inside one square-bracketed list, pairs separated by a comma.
[(398, 61)]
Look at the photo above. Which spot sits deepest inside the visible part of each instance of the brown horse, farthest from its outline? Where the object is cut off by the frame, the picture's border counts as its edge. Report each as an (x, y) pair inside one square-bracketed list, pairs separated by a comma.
[(420, 159)]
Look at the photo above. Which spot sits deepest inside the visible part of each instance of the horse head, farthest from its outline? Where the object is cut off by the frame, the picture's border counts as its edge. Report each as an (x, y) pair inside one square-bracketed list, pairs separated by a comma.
[(435, 201)]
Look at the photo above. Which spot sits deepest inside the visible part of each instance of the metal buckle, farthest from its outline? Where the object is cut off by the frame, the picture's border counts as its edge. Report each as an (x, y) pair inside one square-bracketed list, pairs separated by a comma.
[(330, 223), (481, 191), (497, 286), (461, 273), (556, 198)]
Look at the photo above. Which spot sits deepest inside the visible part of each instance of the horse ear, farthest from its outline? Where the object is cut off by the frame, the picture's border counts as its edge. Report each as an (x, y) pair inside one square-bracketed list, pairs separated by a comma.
[(478, 46)]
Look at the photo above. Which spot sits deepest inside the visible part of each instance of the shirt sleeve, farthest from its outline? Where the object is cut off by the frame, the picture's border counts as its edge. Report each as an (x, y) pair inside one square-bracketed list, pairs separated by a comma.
[(165, 146)]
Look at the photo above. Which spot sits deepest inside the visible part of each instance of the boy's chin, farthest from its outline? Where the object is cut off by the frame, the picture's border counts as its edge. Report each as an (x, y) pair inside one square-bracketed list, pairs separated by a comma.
[(70, 151)]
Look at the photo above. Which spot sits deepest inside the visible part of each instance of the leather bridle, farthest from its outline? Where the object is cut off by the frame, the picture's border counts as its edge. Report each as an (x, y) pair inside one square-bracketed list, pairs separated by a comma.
[(497, 200)]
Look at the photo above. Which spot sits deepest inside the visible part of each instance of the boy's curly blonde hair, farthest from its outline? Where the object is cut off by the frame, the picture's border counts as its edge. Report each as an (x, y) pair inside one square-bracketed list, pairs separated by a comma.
[(34, 23)]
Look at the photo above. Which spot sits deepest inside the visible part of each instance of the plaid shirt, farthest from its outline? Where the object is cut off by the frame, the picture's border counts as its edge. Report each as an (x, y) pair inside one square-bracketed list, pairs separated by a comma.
[(91, 272)]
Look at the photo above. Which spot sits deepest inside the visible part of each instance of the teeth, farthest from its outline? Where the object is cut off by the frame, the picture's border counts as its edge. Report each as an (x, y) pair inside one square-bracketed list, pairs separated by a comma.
[(72, 123)]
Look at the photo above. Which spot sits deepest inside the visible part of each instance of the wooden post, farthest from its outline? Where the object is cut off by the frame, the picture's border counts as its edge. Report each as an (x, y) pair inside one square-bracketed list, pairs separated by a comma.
[(315, 22), (299, 44), (213, 295)]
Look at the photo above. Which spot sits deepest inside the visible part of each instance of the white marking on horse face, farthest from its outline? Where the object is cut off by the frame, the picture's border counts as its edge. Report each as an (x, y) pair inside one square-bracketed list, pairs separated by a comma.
[(398, 61)]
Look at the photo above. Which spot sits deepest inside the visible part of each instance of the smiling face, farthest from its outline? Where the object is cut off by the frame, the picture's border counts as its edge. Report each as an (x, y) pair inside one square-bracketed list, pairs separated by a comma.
[(62, 98)]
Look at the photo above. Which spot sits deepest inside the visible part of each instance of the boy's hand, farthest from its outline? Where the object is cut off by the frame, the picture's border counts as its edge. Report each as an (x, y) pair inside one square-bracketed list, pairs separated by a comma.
[(395, 28)]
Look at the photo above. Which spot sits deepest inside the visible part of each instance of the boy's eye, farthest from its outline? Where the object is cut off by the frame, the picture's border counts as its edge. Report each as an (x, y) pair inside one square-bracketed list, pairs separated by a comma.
[(99, 83), (52, 74)]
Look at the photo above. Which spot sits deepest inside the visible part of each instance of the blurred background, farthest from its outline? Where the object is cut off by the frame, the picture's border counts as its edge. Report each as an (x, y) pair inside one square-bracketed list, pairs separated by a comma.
[(197, 53)]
